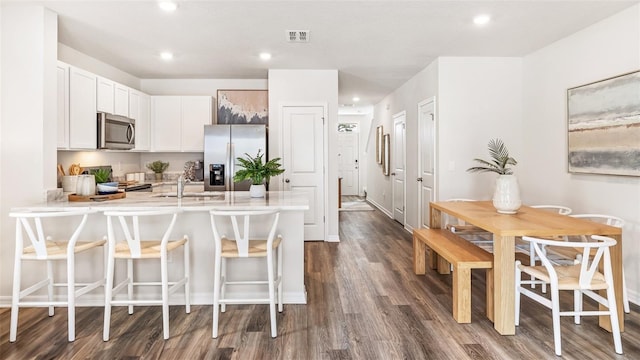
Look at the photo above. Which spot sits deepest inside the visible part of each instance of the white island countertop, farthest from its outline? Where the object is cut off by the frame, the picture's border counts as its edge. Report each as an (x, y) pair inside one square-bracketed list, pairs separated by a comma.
[(194, 222), (238, 200)]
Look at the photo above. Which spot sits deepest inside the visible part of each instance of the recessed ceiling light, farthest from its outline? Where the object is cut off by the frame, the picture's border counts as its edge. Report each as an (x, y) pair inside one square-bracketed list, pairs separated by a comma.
[(481, 19), (265, 56), (165, 55), (355, 99), (168, 6)]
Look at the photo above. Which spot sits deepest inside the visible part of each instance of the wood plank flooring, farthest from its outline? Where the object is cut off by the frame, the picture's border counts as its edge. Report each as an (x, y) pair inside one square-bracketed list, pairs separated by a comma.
[(364, 302)]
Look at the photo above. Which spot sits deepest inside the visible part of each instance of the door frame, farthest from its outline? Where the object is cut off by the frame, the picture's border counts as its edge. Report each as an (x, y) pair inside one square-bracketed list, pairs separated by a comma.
[(325, 152), (435, 155), (404, 161)]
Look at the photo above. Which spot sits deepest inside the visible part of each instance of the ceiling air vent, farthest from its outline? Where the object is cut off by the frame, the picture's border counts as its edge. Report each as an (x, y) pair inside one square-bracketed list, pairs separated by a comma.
[(300, 36)]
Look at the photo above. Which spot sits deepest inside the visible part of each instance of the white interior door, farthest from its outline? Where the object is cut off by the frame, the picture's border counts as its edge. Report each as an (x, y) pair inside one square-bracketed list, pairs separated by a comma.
[(303, 161), (426, 159), (398, 166), (348, 162)]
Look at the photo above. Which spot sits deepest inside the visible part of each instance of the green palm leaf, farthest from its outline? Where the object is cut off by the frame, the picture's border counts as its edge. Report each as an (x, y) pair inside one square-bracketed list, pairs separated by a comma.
[(500, 159)]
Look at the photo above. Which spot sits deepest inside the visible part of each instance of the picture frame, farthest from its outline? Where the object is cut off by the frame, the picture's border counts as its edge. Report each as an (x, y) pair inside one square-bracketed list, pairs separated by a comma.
[(379, 134), (603, 126), (387, 155), (247, 107)]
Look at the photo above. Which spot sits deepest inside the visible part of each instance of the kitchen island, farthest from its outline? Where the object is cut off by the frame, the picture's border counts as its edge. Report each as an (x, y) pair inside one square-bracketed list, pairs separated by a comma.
[(194, 221)]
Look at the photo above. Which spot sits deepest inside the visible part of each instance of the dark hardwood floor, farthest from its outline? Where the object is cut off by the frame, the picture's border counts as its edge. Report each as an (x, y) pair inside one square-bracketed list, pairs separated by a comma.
[(364, 302)]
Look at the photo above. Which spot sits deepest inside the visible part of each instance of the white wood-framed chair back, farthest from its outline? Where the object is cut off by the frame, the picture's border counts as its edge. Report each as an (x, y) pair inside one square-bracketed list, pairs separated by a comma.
[(562, 210), (130, 225), (31, 223), (241, 224)]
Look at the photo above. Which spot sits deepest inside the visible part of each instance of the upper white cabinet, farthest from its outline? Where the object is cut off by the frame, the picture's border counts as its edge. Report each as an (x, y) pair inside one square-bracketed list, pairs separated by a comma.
[(121, 100), (82, 109), (105, 100), (196, 113), (62, 72), (139, 110), (178, 122)]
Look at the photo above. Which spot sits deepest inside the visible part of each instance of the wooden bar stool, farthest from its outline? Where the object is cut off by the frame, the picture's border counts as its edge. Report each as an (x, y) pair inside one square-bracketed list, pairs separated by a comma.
[(244, 245), (45, 248), (134, 248)]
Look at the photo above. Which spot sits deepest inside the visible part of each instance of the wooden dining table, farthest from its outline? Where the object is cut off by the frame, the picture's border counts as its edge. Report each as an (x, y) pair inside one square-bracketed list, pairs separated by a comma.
[(530, 222)]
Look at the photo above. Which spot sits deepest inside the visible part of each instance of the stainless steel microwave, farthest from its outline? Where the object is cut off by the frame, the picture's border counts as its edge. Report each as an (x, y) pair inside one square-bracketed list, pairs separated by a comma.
[(116, 132)]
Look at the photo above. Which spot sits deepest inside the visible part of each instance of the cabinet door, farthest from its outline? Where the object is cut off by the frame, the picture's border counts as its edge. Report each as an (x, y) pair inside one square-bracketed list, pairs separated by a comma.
[(139, 104), (82, 109), (165, 115), (121, 100), (63, 105), (105, 95), (196, 113)]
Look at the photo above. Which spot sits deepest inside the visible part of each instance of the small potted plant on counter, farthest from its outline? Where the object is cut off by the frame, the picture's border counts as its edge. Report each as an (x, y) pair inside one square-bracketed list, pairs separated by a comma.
[(102, 181), (158, 167), (258, 172)]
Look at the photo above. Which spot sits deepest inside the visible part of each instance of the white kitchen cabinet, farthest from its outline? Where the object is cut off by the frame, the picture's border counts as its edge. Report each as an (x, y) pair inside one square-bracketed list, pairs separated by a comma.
[(196, 113), (166, 116), (178, 122), (121, 100), (62, 72), (106, 91), (139, 110), (82, 109)]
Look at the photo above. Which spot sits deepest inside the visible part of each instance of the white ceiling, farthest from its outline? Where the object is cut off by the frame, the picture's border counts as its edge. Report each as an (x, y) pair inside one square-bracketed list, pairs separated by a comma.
[(375, 45)]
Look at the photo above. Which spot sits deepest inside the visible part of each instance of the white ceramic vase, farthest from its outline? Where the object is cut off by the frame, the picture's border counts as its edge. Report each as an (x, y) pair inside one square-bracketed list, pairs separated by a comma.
[(257, 191), (506, 198)]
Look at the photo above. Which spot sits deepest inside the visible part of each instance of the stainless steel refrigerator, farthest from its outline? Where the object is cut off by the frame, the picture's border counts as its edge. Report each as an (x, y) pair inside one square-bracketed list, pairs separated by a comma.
[(222, 145)]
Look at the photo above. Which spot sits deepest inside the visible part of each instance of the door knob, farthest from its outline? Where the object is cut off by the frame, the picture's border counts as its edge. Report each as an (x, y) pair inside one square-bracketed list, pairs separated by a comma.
[(419, 179), (287, 180), (393, 174)]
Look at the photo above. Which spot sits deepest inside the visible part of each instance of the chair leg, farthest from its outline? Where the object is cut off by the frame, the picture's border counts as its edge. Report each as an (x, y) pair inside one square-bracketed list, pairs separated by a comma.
[(130, 284), (517, 294), (272, 297), (50, 286), (615, 324), (532, 261), (577, 306), (279, 276), (71, 298), (223, 283), (625, 297), (555, 313), (216, 295), (187, 275), (108, 294), (165, 295), (15, 298)]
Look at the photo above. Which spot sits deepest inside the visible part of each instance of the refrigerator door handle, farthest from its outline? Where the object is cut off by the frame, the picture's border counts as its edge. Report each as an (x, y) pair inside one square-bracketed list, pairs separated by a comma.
[(229, 175)]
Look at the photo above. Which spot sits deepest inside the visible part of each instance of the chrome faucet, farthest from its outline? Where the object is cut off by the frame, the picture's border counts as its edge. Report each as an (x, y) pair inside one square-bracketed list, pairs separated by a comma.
[(180, 187)]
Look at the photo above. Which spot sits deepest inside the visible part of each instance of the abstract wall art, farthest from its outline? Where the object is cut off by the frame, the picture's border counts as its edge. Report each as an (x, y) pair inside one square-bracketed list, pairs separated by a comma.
[(603, 121), (243, 107)]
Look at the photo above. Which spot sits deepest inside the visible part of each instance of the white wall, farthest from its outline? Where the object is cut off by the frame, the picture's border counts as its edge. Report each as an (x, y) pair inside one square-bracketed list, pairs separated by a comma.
[(74, 57), (364, 126), (608, 48), (28, 143), (308, 87)]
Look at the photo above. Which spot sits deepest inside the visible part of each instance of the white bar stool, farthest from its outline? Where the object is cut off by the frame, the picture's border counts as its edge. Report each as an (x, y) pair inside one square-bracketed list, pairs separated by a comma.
[(133, 248), (244, 245), (44, 248)]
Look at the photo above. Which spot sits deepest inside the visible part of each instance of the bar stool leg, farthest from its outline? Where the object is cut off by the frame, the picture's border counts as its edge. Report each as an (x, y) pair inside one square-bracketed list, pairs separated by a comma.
[(108, 293), (223, 283), (216, 296), (71, 297), (15, 298), (272, 297), (280, 304), (50, 286), (130, 283), (165, 295), (187, 275)]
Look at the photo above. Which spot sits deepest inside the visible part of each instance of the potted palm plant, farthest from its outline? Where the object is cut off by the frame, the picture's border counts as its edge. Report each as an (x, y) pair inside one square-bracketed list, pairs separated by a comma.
[(158, 167), (257, 171), (506, 198)]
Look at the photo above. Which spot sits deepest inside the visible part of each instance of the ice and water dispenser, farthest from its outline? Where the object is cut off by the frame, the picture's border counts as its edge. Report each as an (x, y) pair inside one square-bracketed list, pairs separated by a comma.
[(216, 174)]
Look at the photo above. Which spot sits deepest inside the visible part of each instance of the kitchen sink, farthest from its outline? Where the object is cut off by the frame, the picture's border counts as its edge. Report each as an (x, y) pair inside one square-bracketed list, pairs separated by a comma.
[(218, 194)]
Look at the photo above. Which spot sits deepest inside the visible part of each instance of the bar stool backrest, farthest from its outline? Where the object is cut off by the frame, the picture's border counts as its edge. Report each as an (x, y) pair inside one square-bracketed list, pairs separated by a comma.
[(241, 223)]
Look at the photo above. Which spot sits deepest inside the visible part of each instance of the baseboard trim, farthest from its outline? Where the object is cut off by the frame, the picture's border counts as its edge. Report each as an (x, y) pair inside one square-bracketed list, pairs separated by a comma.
[(380, 207)]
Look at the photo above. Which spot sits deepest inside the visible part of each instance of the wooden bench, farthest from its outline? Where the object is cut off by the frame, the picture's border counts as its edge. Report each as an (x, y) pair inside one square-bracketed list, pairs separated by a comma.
[(463, 256)]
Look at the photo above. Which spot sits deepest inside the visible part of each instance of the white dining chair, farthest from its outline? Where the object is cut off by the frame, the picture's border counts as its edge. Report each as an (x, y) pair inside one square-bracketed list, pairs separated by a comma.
[(131, 247), (562, 210), (247, 240), (583, 278), (42, 246)]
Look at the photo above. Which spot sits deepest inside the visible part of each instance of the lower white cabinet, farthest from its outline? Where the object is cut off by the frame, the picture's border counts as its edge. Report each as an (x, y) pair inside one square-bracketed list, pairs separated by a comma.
[(178, 122), (82, 109)]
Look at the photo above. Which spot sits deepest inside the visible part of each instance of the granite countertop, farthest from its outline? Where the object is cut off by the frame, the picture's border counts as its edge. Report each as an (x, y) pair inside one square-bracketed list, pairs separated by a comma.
[(240, 200)]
